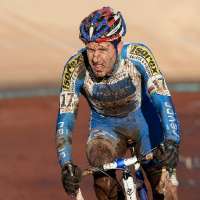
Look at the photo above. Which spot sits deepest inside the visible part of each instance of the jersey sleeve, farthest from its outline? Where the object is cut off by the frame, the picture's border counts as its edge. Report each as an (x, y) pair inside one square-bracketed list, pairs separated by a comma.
[(72, 81), (156, 88)]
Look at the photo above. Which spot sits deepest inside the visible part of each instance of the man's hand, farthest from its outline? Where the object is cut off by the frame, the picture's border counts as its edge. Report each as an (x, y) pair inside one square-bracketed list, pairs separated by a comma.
[(168, 153), (71, 177)]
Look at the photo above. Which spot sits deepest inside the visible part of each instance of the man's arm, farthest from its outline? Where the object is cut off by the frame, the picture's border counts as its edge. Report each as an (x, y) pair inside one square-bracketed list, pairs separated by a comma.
[(72, 81), (157, 89)]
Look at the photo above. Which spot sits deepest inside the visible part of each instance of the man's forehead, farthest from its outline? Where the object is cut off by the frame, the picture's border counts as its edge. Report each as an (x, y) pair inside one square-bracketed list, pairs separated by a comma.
[(96, 45)]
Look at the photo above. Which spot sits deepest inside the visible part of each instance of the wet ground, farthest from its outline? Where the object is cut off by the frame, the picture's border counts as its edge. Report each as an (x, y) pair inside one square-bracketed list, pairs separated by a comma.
[(29, 168)]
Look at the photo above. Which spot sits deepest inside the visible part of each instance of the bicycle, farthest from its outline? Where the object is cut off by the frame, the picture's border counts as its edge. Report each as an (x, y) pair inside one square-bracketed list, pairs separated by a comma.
[(134, 185)]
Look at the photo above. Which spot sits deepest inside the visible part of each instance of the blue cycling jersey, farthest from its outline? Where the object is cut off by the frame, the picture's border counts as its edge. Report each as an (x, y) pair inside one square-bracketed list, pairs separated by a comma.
[(135, 92)]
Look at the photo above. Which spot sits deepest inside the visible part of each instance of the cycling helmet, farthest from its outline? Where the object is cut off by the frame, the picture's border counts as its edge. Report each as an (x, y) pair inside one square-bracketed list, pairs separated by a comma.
[(103, 25)]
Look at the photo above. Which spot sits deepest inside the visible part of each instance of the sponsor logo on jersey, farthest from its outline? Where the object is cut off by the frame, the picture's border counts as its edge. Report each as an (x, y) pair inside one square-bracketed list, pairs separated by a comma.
[(113, 92), (70, 69), (143, 55), (171, 117)]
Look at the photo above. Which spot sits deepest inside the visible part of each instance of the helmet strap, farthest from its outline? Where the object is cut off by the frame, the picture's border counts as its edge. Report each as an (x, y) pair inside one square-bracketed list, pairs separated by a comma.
[(115, 44)]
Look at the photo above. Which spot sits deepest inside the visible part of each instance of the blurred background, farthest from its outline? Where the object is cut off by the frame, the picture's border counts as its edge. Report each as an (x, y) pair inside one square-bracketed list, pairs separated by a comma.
[(37, 38)]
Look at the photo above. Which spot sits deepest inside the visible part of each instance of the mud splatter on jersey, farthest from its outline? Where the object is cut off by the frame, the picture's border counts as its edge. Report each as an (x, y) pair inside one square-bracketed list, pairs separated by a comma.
[(116, 96)]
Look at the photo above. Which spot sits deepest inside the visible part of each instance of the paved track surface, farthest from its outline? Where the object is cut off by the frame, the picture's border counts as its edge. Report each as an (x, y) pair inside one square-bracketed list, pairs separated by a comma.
[(29, 169)]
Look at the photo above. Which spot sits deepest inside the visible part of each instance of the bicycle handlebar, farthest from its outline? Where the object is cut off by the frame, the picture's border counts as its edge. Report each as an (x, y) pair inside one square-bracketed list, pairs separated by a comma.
[(120, 163)]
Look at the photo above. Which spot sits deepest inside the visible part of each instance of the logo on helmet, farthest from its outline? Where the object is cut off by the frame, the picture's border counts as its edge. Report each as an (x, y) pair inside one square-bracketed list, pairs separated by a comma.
[(91, 31)]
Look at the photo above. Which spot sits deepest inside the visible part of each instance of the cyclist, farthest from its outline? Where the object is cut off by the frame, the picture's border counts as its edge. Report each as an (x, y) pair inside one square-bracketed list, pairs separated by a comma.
[(128, 98)]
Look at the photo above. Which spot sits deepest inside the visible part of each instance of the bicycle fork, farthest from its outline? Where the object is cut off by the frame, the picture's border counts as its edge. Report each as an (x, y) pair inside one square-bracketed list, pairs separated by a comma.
[(141, 187), (129, 186)]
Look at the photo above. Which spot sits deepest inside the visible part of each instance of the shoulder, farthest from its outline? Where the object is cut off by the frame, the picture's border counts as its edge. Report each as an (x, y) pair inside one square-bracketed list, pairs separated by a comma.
[(134, 50), (76, 60), (74, 69), (142, 56)]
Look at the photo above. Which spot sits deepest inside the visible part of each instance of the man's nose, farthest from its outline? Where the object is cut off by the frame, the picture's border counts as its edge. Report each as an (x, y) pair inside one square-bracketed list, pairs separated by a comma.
[(95, 57)]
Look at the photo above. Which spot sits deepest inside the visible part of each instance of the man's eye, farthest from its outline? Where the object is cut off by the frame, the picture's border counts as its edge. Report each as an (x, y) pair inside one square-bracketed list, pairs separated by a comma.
[(98, 50)]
